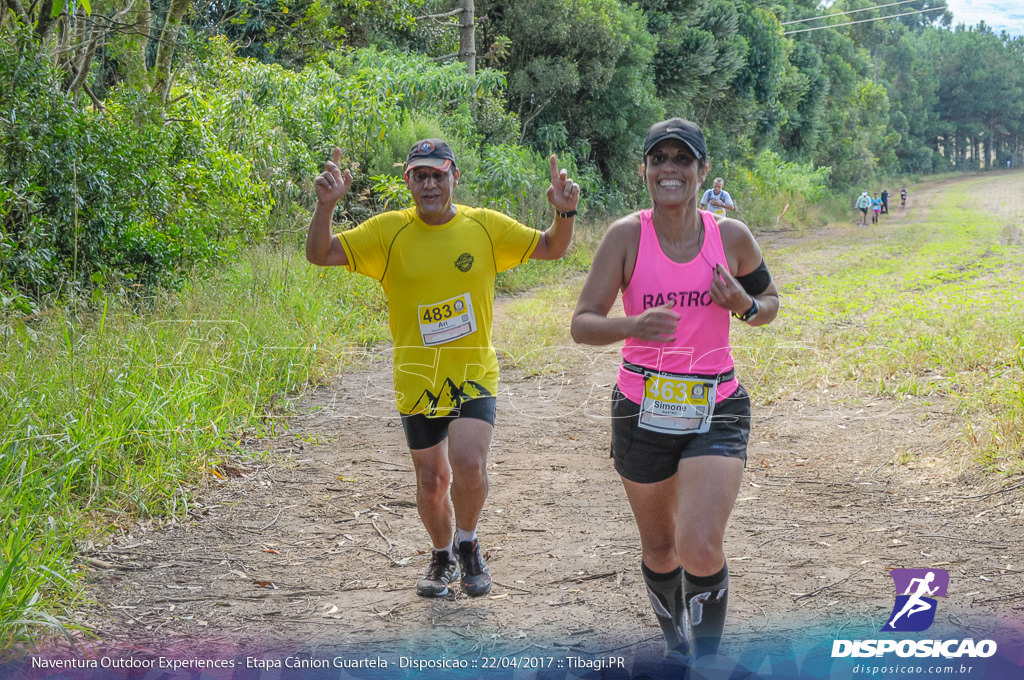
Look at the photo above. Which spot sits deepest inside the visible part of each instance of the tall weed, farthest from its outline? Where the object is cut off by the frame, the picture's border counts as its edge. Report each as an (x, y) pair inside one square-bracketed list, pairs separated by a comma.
[(118, 413)]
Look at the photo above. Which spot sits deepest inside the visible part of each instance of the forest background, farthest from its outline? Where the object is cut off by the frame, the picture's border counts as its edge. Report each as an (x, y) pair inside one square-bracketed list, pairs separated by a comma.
[(155, 183)]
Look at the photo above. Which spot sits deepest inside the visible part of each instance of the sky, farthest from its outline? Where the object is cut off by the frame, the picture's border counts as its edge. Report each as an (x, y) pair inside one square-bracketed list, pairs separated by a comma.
[(1000, 15)]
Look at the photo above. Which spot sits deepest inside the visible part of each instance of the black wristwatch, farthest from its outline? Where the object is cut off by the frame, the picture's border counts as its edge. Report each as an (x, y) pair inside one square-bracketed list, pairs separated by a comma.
[(750, 313)]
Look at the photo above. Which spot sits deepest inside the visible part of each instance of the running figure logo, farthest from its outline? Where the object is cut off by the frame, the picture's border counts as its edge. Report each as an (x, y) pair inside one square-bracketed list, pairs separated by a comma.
[(914, 610)]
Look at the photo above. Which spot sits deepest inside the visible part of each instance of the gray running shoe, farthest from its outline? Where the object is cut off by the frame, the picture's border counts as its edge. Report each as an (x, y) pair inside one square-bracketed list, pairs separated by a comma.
[(443, 570), (476, 577)]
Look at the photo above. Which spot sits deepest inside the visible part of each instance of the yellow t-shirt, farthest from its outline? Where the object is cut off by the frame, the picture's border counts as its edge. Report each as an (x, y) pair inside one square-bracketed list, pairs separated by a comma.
[(439, 283)]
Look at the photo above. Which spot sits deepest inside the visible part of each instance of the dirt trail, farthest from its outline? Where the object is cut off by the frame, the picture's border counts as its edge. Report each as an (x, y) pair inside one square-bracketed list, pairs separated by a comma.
[(320, 545)]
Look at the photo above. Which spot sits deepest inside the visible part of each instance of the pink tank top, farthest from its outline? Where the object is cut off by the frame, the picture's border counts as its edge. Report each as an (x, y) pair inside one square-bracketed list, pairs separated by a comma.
[(701, 346)]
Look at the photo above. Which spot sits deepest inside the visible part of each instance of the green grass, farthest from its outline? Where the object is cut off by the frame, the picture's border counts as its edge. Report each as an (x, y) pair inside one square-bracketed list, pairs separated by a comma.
[(536, 273), (534, 335), (112, 415), (921, 310)]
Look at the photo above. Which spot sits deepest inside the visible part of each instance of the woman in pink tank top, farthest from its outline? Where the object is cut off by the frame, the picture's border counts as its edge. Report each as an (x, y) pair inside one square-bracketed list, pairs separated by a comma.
[(680, 418)]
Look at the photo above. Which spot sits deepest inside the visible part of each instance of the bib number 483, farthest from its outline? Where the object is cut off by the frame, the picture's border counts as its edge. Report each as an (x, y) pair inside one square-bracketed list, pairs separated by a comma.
[(447, 320)]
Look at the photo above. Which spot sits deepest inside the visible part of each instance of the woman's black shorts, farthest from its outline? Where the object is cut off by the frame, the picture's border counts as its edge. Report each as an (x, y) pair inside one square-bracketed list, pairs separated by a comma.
[(646, 457)]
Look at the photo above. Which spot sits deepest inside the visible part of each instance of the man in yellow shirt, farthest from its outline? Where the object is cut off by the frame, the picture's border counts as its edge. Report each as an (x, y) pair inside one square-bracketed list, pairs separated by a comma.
[(437, 263)]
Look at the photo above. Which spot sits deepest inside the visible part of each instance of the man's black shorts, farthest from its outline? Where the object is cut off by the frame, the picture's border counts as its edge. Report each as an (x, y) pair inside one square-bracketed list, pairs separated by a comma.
[(646, 457), (422, 432)]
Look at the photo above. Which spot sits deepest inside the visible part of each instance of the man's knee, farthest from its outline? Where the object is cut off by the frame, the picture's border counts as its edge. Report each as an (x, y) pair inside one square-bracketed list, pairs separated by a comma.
[(433, 483), (468, 445), (470, 469)]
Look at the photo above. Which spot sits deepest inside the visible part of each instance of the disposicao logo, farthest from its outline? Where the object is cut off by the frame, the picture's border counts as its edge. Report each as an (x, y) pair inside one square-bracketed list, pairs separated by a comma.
[(914, 611)]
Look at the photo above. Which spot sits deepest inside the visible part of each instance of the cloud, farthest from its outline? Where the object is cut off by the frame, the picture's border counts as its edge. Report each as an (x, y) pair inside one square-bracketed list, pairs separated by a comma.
[(995, 14)]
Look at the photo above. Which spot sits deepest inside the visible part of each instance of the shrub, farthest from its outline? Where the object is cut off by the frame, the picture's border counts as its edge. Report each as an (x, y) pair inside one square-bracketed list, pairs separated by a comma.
[(118, 197), (772, 190)]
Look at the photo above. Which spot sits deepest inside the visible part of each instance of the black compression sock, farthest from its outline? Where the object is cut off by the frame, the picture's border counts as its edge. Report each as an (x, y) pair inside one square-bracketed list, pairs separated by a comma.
[(707, 598), (666, 593)]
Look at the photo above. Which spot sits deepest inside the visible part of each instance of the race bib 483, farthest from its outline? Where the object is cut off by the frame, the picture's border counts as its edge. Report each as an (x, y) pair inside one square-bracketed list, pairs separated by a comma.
[(447, 320)]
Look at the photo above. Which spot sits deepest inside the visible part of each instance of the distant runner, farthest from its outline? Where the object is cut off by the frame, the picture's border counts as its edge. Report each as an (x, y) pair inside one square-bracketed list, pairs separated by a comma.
[(717, 199), (863, 204)]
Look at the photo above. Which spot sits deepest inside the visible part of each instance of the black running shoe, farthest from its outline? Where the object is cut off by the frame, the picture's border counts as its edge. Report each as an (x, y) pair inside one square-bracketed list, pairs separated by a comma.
[(476, 577), (443, 570)]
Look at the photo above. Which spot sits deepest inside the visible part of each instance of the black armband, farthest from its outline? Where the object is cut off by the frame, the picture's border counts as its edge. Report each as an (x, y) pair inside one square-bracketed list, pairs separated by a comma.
[(757, 281)]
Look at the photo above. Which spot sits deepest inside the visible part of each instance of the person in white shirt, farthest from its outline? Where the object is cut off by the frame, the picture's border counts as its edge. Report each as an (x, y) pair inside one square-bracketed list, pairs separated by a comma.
[(717, 200)]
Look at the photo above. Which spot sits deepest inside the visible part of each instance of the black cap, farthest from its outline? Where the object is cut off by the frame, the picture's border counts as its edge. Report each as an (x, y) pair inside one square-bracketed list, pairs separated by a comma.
[(433, 153), (677, 128)]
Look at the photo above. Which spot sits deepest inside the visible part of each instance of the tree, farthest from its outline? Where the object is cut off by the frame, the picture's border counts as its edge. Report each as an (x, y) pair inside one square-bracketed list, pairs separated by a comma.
[(165, 48), (912, 85), (699, 50), (758, 85), (579, 70), (76, 32), (809, 89), (467, 35), (853, 126)]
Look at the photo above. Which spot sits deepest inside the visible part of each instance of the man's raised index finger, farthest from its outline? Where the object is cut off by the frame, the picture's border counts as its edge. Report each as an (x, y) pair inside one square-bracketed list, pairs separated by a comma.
[(554, 169)]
